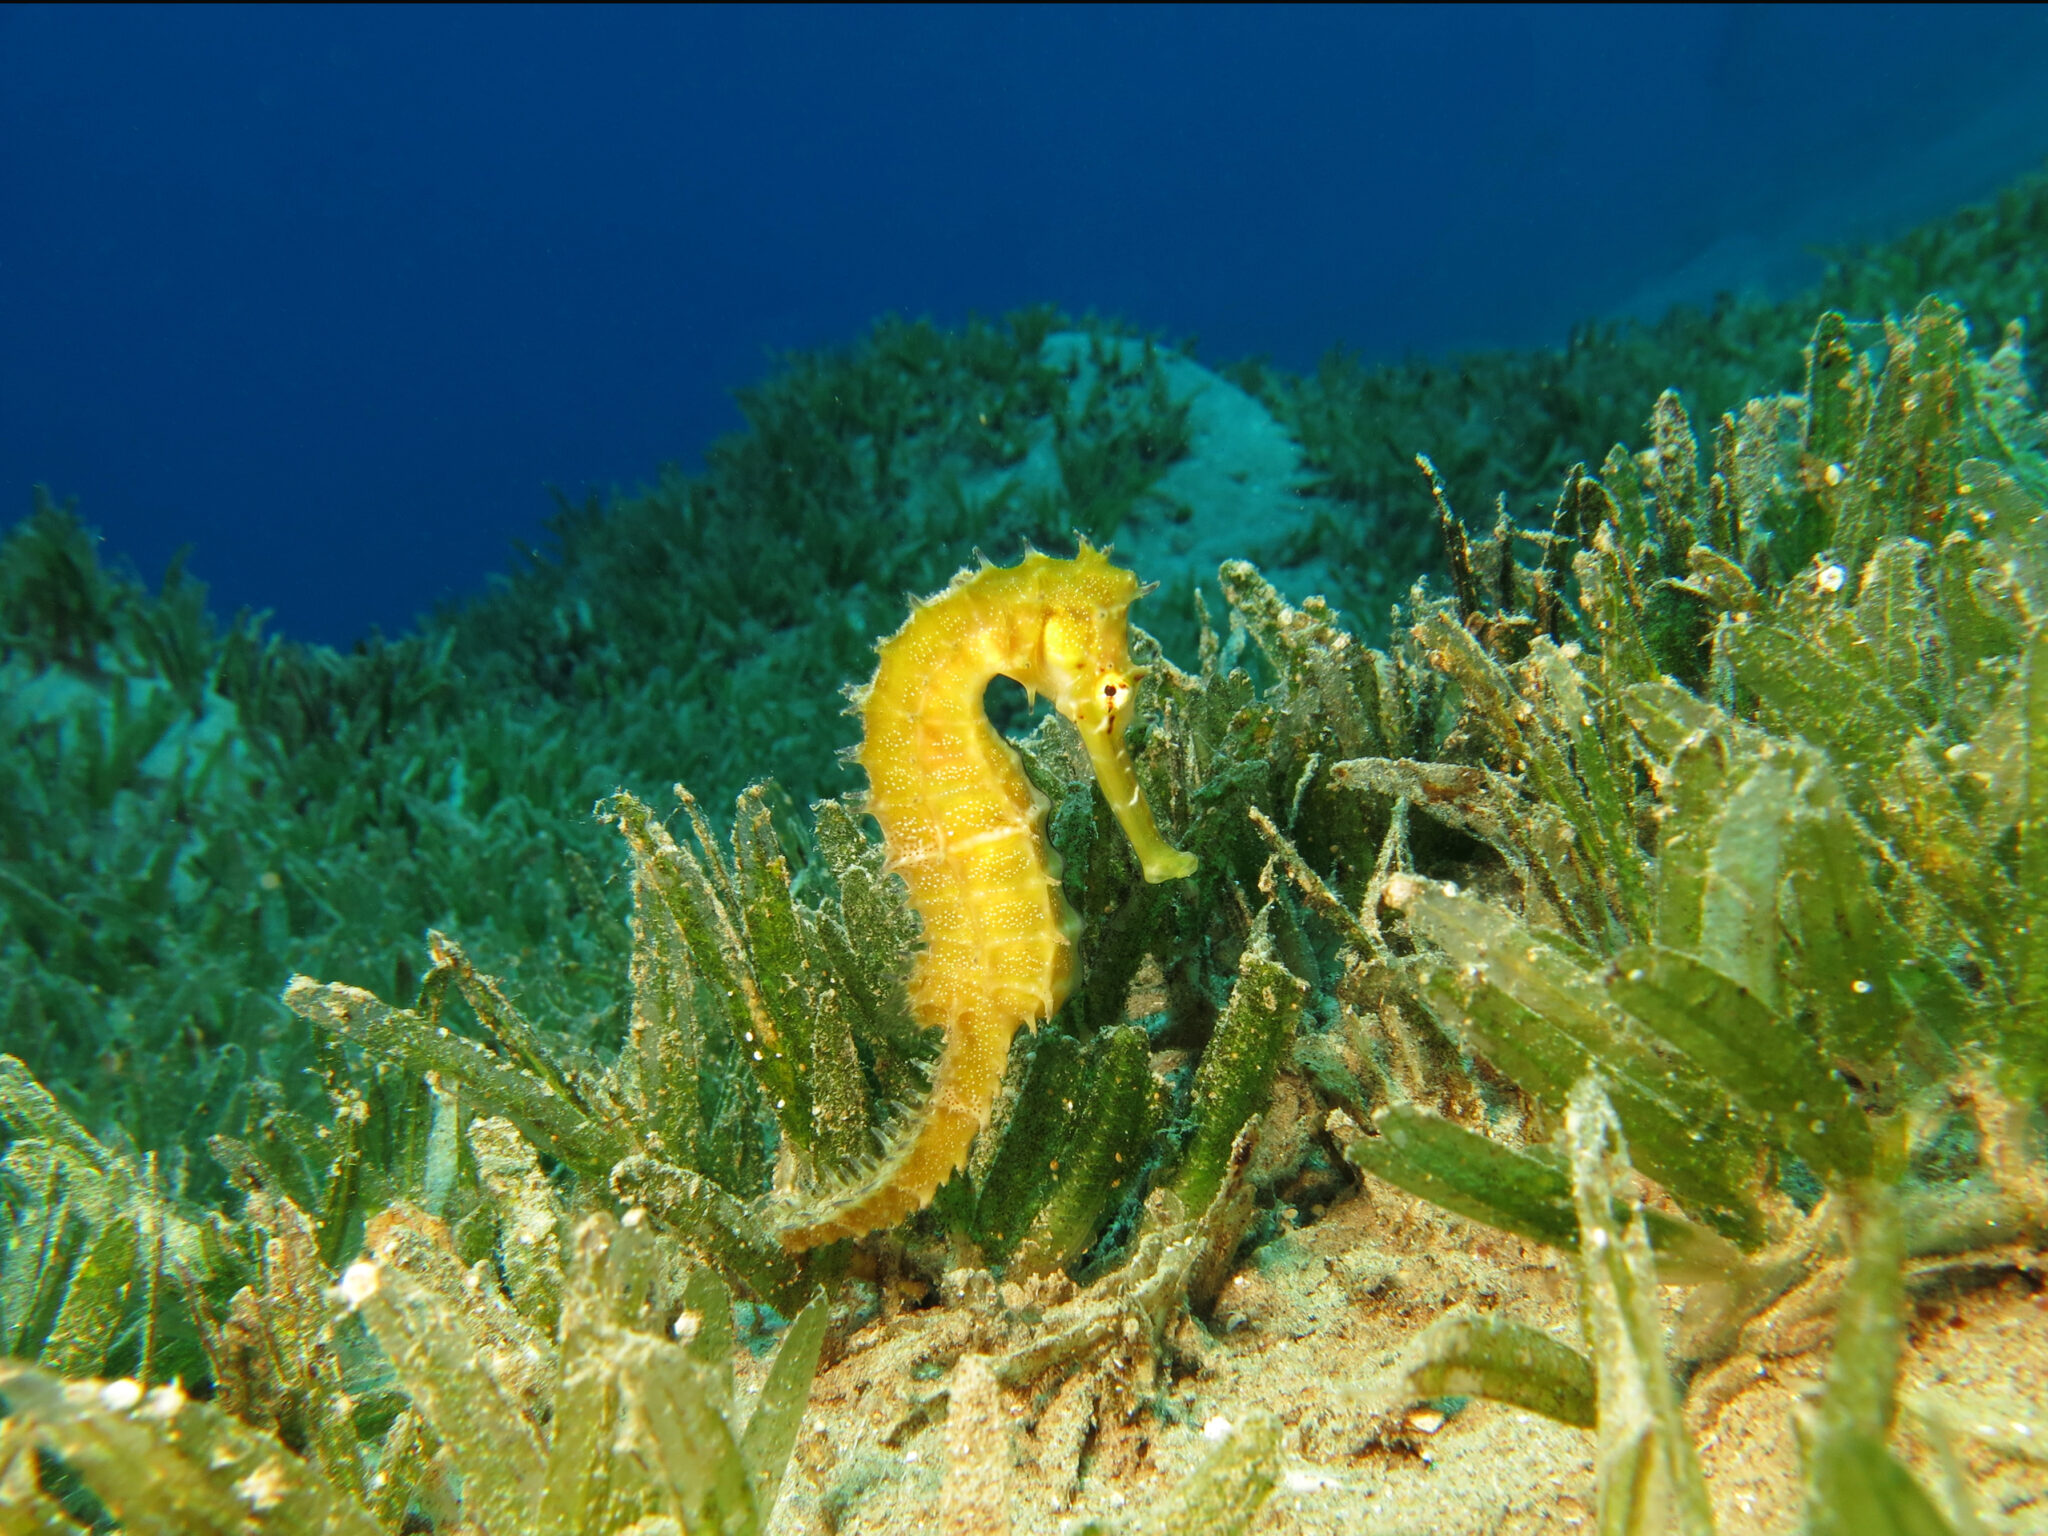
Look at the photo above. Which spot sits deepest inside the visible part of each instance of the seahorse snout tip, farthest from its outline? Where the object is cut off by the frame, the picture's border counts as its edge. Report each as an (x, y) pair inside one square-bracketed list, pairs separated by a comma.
[(1170, 864)]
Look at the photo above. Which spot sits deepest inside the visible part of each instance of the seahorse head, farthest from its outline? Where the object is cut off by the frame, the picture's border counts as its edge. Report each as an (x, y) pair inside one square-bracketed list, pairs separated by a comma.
[(1088, 673), (1084, 641)]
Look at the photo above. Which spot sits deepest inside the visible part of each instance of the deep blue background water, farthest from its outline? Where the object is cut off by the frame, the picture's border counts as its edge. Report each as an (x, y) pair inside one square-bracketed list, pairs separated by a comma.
[(335, 295)]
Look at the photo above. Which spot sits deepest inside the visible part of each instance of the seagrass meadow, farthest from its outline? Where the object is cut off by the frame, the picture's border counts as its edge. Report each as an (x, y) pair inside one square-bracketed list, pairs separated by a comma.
[(1593, 1078)]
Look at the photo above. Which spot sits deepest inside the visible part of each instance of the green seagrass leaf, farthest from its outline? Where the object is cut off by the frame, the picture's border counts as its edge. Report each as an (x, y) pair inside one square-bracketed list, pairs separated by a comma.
[(1739, 928), (1321, 666), (772, 1428), (1778, 515), (1102, 1154), (278, 1351), (1977, 625), (2027, 1046), (2015, 519), (585, 1485), (1854, 1485), (1466, 1355), (874, 909), (781, 962), (531, 1221), (1558, 1024), (839, 1099), (1032, 1132), (1931, 831), (1992, 764), (669, 1423), (1945, 1015), (707, 1297), (1604, 854), (1674, 477), (1870, 1333), (166, 1465), (543, 1116), (43, 1242), (1517, 1190), (1604, 755), (711, 1223), (1872, 1493), (1614, 609), (1234, 1079), (1764, 1061), (698, 897), (664, 1060), (1477, 1177), (1724, 584), (95, 1299), (1647, 1472), (1538, 843), (1665, 716), (868, 936), (1895, 611), (1709, 1164), (612, 1289), (1811, 691), (1845, 946), (1475, 800), (500, 1017), (1924, 423), (1624, 489), (1694, 787), (501, 1457), (1837, 398), (1538, 1056), (30, 1113)]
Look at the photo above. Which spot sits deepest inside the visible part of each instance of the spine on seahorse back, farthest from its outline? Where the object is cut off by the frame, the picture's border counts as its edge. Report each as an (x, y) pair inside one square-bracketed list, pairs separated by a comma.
[(966, 830)]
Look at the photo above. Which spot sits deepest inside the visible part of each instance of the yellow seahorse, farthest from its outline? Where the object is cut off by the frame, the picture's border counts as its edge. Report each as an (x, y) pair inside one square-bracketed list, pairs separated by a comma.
[(966, 830)]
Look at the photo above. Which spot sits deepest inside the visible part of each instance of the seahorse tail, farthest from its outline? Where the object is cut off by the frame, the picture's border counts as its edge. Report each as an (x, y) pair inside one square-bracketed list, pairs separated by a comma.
[(923, 1152)]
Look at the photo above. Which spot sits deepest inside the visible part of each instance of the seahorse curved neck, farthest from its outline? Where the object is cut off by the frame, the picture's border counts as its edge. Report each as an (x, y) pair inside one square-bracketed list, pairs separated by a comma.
[(966, 830)]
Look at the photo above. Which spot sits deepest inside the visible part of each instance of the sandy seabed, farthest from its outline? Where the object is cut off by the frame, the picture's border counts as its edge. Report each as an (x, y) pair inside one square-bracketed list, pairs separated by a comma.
[(1308, 1329)]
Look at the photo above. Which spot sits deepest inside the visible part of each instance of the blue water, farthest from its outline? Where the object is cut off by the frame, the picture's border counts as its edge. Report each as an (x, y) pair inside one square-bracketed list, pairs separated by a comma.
[(334, 296)]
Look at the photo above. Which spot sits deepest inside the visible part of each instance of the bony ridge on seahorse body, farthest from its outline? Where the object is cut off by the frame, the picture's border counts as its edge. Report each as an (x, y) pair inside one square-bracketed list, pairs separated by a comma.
[(966, 830)]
